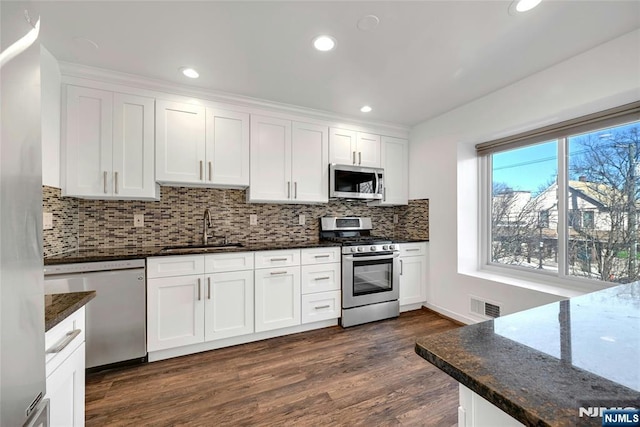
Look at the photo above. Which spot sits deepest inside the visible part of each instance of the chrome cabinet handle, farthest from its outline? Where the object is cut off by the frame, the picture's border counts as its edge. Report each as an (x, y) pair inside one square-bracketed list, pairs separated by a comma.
[(384, 194), (354, 157), (199, 296), (278, 259), (210, 172), (412, 249), (104, 179), (208, 287), (295, 190), (322, 278), (401, 267), (273, 273), (322, 256), (359, 157), (65, 342), (322, 306), (115, 182), (288, 189), (200, 170)]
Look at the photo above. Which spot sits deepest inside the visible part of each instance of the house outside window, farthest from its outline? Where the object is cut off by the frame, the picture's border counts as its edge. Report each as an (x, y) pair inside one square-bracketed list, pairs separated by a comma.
[(564, 200)]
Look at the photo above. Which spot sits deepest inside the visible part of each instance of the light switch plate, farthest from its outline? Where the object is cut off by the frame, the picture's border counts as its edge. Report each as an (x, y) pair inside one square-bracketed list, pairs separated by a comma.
[(302, 219), (138, 220), (253, 219), (395, 218), (47, 221)]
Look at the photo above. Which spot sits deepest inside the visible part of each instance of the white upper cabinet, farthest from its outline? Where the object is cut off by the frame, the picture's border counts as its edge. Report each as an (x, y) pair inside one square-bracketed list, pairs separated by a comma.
[(108, 149), (310, 163), (354, 148), (289, 161), (198, 146), (395, 161)]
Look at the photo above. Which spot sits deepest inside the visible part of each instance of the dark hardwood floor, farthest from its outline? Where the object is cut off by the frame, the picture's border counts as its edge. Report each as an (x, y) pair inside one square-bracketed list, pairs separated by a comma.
[(366, 375)]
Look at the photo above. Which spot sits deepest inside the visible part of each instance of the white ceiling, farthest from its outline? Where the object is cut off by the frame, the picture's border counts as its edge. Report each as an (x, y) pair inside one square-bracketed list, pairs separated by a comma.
[(424, 58)]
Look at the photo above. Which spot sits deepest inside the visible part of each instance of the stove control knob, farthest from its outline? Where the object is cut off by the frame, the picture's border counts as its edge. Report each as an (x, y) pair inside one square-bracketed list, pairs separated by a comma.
[(373, 248), (353, 249), (385, 248), (359, 248), (392, 247)]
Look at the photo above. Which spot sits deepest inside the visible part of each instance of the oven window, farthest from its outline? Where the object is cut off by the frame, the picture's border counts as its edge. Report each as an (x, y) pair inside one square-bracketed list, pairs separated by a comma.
[(370, 277), (355, 182)]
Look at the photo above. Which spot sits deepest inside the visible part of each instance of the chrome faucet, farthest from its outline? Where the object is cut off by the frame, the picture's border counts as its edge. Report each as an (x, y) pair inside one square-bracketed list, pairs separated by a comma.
[(207, 223)]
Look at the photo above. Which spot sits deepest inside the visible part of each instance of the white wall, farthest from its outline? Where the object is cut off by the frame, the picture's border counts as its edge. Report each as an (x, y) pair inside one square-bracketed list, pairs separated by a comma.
[(50, 79), (444, 168)]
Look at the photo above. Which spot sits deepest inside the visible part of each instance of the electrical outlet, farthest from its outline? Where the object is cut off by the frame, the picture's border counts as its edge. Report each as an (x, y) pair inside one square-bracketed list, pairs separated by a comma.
[(395, 218), (138, 220), (302, 219), (47, 220), (253, 219)]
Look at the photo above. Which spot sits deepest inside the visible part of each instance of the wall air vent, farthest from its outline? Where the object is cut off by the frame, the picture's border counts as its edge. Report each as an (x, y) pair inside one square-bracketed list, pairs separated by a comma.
[(484, 308)]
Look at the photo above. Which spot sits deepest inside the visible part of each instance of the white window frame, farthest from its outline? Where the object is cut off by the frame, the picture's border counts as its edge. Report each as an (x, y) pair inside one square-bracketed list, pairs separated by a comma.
[(593, 122)]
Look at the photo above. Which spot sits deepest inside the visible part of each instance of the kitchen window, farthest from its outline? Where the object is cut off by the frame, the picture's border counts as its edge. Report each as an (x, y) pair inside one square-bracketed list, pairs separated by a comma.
[(564, 200)]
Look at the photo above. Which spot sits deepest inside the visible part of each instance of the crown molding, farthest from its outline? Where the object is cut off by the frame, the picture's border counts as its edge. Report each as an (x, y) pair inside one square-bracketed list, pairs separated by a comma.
[(118, 78)]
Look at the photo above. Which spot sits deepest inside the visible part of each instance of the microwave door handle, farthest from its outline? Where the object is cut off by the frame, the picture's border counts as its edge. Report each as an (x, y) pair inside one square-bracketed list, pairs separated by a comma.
[(377, 183)]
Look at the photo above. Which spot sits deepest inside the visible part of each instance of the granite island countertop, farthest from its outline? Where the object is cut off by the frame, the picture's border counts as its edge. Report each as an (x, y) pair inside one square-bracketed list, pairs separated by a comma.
[(541, 365), (58, 307)]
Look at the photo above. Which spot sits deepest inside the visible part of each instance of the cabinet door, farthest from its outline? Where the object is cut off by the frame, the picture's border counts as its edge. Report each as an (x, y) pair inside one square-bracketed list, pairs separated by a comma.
[(277, 298), (227, 151), (133, 146), (368, 152), (270, 159), (342, 147), (413, 277), (310, 163), (180, 143), (87, 152), (175, 312), (395, 161), (65, 390), (228, 304)]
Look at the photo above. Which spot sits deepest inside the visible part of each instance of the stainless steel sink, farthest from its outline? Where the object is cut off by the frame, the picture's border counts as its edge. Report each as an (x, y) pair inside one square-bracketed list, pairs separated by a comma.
[(201, 248)]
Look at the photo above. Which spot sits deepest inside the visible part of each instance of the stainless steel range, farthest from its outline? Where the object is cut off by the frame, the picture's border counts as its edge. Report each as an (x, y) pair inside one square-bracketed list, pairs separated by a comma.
[(370, 270)]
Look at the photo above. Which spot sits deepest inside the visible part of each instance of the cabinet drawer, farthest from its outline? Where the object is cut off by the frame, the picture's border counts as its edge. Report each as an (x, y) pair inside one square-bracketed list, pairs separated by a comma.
[(61, 340), (413, 249), (269, 259), (220, 263), (320, 278), (320, 306), (175, 266), (320, 255)]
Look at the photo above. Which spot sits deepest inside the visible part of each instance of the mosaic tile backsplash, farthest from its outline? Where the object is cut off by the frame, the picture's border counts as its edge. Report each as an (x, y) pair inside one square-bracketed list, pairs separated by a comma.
[(177, 219)]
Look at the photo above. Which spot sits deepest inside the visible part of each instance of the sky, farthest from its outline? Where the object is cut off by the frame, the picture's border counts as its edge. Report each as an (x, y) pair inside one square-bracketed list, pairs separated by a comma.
[(527, 169)]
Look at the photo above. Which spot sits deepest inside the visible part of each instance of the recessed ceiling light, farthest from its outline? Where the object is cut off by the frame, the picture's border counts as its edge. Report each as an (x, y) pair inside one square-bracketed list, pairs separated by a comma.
[(366, 109), (190, 72), (324, 43), (525, 5)]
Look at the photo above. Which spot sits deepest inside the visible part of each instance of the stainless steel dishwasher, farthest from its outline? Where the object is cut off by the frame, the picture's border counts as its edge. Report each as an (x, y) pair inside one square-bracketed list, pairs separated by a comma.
[(116, 318)]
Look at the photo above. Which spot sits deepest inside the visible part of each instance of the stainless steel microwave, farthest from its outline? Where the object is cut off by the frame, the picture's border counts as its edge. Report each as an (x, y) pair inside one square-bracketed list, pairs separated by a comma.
[(355, 182)]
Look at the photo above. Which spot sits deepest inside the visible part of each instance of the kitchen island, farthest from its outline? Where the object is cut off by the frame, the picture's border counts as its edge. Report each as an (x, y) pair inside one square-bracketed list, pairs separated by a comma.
[(553, 365)]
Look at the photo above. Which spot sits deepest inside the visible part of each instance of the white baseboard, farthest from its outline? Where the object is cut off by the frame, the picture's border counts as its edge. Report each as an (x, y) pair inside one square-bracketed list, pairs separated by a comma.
[(451, 314)]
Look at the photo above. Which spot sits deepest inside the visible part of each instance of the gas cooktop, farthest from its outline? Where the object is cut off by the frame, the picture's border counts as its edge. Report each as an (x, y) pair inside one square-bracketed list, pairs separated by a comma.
[(354, 234)]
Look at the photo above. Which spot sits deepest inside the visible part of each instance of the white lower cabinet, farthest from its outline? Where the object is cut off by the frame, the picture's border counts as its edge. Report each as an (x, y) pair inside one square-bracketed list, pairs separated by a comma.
[(413, 273), (321, 284), (277, 298), (475, 411), (229, 305), (320, 306), (65, 370)]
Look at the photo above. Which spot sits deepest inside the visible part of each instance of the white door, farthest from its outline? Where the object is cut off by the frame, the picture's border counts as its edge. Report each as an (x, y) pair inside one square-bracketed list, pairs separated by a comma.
[(175, 312), (395, 161), (342, 146), (228, 304), (180, 142), (65, 390), (277, 298), (413, 278), (133, 146), (368, 152), (310, 163), (227, 149), (87, 143), (270, 159)]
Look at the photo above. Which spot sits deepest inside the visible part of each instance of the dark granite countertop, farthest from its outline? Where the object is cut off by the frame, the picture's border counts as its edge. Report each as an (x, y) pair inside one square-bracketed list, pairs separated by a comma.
[(541, 365), (58, 307)]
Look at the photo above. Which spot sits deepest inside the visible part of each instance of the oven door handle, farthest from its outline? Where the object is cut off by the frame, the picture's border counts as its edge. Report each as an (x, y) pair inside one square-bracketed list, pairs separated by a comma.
[(371, 258)]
